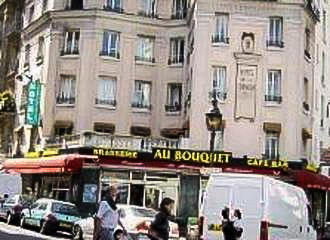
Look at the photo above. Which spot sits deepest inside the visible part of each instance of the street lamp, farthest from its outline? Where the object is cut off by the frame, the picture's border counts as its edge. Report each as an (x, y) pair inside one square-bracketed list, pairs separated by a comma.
[(213, 119)]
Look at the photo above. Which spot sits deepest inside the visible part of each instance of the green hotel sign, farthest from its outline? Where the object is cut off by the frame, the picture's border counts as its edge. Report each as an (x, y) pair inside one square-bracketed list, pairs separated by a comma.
[(33, 106)]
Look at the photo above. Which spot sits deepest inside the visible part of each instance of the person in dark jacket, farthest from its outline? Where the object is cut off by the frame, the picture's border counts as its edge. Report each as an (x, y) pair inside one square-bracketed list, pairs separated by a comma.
[(160, 227), (228, 229)]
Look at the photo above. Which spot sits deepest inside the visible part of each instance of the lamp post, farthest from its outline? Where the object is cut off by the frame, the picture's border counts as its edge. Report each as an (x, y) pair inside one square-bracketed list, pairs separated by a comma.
[(213, 119)]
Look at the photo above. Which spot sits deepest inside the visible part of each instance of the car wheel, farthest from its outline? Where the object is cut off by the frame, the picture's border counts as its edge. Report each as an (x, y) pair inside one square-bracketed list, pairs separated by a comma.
[(9, 218), (43, 229), (22, 221), (77, 232)]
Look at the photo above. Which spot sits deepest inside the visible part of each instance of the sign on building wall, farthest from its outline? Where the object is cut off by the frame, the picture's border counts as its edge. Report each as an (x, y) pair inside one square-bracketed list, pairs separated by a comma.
[(246, 78), (33, 104)]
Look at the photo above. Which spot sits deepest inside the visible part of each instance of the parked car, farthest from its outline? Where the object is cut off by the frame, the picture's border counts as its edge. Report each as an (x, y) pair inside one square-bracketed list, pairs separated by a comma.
[(11, 208), (271, 209), (135, 219), (50, 216)]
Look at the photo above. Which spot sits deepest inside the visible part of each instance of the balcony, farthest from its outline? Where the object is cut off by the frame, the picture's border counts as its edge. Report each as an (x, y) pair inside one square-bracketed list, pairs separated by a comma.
[(173, 108), (273, 98), (275, 43), (145, 59), (179, 14), (69, 52), (105, 102), (114, 54), (141, 105), (93, 139), (65, 100), (113, 9), (148, 14), (176, 59), (220, 38)]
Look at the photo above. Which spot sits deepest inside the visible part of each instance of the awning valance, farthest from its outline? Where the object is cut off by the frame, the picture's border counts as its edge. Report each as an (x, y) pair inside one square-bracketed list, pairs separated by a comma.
[(58, 164), (272, 127), (308, 179)]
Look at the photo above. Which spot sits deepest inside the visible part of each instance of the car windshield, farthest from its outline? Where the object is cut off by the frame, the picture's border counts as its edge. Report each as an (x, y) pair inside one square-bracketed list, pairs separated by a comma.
[(143, 212), (64, 209)]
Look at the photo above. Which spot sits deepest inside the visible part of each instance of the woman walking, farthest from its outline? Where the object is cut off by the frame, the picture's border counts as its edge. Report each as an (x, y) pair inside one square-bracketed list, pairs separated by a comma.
[(108, 216)]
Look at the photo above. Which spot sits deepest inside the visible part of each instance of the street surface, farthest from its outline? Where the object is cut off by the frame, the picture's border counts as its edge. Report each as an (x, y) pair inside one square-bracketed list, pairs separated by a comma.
[(11, 232)]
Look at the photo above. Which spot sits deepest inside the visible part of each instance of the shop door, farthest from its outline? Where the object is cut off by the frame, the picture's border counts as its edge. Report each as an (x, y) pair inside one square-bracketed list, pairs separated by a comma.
[(136, 194)]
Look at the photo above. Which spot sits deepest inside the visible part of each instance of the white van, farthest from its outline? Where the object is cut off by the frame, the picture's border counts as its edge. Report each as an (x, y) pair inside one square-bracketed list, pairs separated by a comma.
[(271, 209)]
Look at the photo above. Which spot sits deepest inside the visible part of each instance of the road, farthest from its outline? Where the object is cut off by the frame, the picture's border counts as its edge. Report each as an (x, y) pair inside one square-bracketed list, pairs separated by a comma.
[(10, 232)]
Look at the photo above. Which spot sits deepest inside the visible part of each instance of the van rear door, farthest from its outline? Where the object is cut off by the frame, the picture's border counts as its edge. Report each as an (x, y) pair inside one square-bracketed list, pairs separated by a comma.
[(217, 196)]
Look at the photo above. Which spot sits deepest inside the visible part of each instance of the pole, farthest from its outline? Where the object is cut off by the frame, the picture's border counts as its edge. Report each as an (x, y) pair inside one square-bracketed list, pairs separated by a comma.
[(212, 141)]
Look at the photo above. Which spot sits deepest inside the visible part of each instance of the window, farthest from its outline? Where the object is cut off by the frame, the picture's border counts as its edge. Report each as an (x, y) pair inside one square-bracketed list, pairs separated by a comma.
[(272, 145), (220, 82), (323, 69), (110, 45), (179, 9), (306, 95), (275, 37), (307, 43), (71, 44), (114, 5), (66, 90), (221, 29), (75, 4), (142, 94), (31, 13), (63, 130), (41, 43), (145, 49), (44, 5), (177, 51), (104, 128), (273, 86), (27, 55), (148, 8), (107, 90), (322, 111), (324, 25), (174, 95)]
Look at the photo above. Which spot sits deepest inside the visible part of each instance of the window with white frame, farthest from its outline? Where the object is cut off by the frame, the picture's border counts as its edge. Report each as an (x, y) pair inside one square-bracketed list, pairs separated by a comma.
[(27, 55), (110, 44), (220, 82), (221, 28), (148, 8), (275, 35), (272, 145), (179, 9), (114, 5), (66, 90), (145, 49), (142, 95), (107, 91), (273, 86), (71, 44), (174, 95), (307, 43), (177, 51)]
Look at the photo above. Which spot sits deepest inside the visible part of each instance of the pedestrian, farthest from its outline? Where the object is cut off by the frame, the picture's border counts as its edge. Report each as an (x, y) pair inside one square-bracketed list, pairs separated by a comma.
[(228, 229), (160, 227), (108, 217), (238, 223)]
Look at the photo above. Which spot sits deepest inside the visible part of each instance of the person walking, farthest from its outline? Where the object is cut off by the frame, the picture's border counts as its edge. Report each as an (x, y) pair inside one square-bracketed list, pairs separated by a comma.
[(228, 229), (160, 227), (108, 217), (238, 223)]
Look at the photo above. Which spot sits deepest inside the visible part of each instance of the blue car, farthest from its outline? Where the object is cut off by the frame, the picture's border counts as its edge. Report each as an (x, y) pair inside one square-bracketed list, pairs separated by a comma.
[(50, 216)]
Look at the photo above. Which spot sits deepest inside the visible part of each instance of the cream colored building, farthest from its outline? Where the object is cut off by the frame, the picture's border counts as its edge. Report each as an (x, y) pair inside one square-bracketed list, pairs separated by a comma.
[(146, 67), (260, 56), (109, 66)]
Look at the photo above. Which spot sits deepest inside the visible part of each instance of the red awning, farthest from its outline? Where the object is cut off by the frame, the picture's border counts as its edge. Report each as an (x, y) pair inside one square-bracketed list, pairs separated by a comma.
[(56, 164), (307, 179)]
